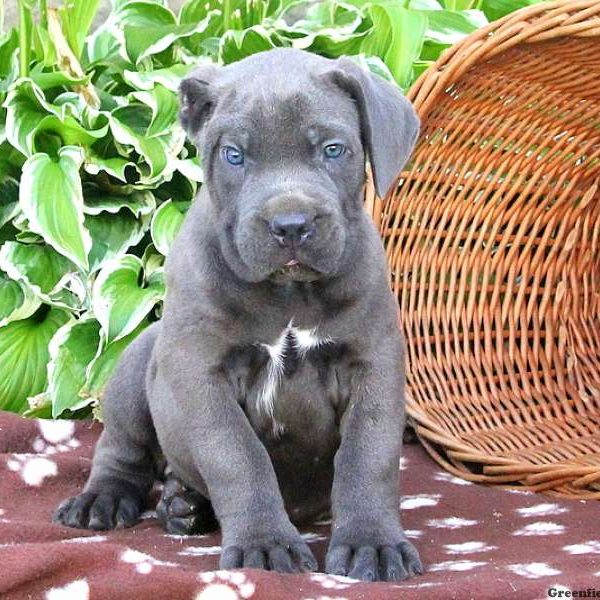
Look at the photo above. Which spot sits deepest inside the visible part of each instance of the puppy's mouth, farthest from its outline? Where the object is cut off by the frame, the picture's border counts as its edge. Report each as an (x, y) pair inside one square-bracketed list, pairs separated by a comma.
[(294, 270)]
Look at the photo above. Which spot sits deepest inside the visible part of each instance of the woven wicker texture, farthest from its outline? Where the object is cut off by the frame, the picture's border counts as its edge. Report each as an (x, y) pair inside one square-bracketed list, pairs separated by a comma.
[(493, 240)]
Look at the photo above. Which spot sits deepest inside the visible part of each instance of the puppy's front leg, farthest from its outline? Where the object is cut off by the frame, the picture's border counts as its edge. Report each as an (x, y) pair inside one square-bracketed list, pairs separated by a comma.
[(367, 539), (201, 419)]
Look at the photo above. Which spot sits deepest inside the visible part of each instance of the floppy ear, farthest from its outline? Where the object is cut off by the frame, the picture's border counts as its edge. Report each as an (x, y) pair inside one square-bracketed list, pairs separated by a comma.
[(389, 123), (196, 98)]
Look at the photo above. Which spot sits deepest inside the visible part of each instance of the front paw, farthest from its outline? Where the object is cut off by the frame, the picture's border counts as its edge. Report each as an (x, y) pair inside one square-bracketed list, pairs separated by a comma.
[(266, 545), (102, 511), (372, 552)]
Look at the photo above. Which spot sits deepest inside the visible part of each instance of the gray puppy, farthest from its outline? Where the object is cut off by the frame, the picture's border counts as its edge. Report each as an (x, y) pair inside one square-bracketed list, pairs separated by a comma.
[(274, 383)]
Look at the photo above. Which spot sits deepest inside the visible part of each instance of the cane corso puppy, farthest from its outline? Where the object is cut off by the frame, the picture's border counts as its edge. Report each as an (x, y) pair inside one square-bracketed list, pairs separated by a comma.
[(273, 385)]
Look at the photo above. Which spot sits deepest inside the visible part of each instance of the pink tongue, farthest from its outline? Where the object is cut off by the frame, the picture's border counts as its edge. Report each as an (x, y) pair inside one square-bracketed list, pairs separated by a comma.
[(291, 263)]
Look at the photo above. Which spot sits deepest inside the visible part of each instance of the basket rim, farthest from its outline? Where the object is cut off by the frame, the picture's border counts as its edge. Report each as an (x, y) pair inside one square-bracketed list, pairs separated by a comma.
[(540, 22)]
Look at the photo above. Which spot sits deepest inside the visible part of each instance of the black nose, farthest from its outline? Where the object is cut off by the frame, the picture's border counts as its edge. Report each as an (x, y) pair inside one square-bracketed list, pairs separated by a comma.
[(292, 229)]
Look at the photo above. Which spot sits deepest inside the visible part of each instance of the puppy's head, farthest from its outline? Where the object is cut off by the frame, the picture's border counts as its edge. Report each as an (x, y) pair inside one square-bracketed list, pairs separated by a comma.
[(283, 137)]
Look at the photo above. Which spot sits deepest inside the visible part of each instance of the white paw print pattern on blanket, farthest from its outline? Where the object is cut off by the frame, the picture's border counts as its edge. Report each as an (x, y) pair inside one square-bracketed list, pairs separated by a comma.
[(332, 582), (225, 585), (33, 468), (56, 436), (533, 570), (76, 590), (144, 563)]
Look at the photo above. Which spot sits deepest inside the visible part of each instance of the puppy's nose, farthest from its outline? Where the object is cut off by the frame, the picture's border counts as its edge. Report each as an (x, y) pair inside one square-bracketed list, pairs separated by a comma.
[(292, 229)]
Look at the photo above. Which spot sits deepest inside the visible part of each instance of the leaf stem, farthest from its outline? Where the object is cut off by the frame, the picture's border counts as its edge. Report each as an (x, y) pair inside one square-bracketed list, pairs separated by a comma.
[(23, 41), (227, 14), (44, 13)]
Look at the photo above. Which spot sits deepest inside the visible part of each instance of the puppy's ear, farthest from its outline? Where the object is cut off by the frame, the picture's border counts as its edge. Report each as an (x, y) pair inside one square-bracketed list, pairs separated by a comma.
[(196, 98), (389, 123)]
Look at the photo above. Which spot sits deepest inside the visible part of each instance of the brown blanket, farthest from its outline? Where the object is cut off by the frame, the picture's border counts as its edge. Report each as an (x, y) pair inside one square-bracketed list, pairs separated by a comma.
[(476, 542)]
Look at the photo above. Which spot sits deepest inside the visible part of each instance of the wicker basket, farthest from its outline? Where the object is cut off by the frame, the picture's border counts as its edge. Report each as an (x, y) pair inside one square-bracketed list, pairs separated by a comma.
[(493, 239)]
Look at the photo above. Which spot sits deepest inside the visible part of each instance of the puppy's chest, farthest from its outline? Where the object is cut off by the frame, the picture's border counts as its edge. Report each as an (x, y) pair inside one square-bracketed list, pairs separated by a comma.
[(291, 381)]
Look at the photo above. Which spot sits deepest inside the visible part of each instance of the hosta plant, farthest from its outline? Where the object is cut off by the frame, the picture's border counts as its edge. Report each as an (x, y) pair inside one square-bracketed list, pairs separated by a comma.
[(96, 174)]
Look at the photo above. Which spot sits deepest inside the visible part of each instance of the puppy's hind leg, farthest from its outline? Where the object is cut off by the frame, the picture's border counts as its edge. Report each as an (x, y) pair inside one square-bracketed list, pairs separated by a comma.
[(182, 510), (123, 467)]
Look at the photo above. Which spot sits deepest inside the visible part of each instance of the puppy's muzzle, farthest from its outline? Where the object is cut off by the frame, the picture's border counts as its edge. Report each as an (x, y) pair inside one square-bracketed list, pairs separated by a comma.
[(291, 230)]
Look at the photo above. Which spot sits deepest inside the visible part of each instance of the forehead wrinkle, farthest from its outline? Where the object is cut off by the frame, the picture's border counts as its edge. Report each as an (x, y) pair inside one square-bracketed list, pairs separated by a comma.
[(329, 128), (233, 124), (269, 115)]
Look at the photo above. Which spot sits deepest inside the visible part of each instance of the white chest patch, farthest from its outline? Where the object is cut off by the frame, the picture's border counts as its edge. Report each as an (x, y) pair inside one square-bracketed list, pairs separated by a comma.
[(293, 342)]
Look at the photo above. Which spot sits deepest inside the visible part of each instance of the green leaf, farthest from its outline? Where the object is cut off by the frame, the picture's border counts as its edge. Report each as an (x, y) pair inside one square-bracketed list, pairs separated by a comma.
[(51, 79), (17, 301), (152, 260), (11, 162), (331, 29), (209, 13), (24, 356), (190, 168), (169, 77), (44, 47), (119, 4), (139, 203), (140, 47), (40, 407), (29, 114), (8, 233), (51, 198), (129, 126), (76, 18), (74, 104), (236, 45), (143, 13), (178, 187), (446, 27), (373, 64), (496, 9), (101, 368), (103, 45), (49, 276), (71, 349), (461, 4), (166, 223), (195, 10), (428, 4), (112, 235), (149, 29), (28, 237), (397, 38), (164, 105), (116, 166), (9, 42), (37, 265), (121, 298), (9, 198)]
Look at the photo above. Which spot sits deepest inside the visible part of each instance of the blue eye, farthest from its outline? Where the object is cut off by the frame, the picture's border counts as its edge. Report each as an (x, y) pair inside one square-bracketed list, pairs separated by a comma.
[(334, 150), (233, 156)]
